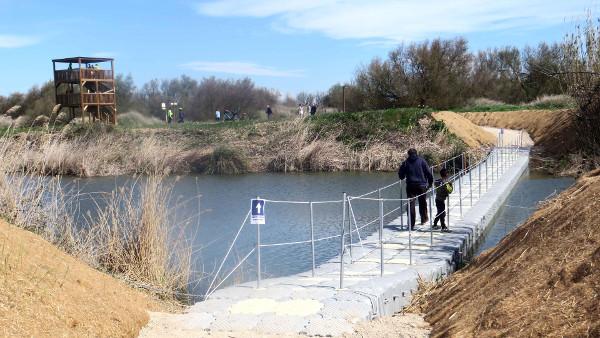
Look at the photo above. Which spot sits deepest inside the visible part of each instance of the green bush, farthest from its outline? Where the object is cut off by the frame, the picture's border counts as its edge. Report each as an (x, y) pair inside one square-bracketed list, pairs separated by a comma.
[(359, 127)]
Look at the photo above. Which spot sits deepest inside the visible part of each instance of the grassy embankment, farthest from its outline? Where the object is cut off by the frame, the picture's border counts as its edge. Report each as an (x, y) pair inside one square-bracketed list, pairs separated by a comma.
[(365, 141)]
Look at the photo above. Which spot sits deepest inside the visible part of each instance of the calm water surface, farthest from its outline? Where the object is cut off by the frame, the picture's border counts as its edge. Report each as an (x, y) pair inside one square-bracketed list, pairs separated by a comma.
[(212, 208), (531, 189)]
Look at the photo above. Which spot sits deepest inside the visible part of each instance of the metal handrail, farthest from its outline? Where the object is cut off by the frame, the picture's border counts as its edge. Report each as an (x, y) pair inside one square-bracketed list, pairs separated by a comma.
[(495, 155)]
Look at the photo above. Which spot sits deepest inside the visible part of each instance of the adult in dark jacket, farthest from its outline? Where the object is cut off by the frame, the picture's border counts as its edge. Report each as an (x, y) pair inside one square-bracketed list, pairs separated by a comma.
[(269, 112), (418, 177)]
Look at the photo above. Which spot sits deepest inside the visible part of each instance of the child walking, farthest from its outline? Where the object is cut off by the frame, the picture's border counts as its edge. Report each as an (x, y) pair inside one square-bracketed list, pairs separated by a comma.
[(443, 189)]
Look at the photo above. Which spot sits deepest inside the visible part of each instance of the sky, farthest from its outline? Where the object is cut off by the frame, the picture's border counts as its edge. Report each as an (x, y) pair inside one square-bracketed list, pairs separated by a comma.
[(288, 45)]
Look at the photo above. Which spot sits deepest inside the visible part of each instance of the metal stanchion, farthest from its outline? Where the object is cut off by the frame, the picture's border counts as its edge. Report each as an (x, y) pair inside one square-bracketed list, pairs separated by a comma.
[(312, 238), (487, 157), (479, 180), (431, 210), (342, 242), (410, 218), (381, 233), (258, 254), (454, 166), (460, 194), (448, 212), (349, 219), (470, 182), (431, 218), (497, 165), (401, 207)]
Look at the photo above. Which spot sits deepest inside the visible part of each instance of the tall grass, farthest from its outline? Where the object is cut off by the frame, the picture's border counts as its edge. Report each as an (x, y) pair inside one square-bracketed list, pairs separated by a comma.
[(225, 160), (130, 235)]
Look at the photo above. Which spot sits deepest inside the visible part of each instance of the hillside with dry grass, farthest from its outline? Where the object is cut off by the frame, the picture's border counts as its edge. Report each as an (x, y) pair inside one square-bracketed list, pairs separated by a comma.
[(541, 280), (366, 141), (47, 293)]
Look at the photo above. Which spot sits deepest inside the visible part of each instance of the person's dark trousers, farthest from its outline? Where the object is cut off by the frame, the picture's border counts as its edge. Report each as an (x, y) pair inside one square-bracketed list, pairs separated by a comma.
[(441, 213), (413, 191)]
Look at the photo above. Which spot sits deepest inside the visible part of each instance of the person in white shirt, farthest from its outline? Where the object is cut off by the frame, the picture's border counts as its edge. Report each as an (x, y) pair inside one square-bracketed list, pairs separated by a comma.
[(218, 115)]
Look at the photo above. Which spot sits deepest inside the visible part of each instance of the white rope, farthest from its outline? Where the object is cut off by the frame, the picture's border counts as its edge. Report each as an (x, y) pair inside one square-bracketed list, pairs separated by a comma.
[(229, 274), (282, 244), (355, 225), (229, 251)]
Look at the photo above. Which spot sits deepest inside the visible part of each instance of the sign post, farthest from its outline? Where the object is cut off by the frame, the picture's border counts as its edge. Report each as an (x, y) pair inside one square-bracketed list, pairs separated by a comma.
[(257, 208)]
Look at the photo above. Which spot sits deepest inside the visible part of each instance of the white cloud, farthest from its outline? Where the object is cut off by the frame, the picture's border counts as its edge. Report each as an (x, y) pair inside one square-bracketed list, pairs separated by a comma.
[(240, 68), (16, 41), (398, 20)]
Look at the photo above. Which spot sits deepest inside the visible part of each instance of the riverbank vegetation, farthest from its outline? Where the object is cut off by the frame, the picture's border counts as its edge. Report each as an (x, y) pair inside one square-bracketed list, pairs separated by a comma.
[(128, 234), (365, 141)]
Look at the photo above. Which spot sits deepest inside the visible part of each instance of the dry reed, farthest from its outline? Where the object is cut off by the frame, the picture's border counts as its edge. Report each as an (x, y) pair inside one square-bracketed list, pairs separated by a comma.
[(130, 236)]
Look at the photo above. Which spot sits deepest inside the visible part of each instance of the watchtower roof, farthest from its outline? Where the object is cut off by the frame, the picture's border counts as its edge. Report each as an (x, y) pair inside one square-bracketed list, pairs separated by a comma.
[(83, 59)]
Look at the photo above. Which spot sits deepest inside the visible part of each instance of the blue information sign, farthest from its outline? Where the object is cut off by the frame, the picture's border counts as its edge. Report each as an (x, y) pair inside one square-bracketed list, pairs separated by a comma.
[(257, 211)]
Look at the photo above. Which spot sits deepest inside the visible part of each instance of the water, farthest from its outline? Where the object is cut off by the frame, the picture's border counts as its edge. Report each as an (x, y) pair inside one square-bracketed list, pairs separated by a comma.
[(531, 189), (212, 208), (212, 220)]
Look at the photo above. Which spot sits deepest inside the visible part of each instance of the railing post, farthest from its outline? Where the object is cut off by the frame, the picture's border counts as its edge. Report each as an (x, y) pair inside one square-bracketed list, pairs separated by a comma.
[(454, 165), (381, 233), (487, 157), (497, 164), (401, 207), (258, 254), (448, 212), (470, 183), (349, 219), (479, 179), (342, 242), (410, 217), (460, 194), (312, 238), (431, 217)]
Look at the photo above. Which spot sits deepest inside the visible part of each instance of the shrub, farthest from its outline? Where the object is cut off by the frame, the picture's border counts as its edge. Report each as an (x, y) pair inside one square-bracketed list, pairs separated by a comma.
[(553, 102), (226, 161)]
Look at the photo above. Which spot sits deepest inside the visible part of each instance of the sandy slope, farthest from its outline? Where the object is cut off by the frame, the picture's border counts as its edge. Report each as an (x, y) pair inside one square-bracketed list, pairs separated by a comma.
[(542, 280), (47, 293), (551, 130), (470, 133)]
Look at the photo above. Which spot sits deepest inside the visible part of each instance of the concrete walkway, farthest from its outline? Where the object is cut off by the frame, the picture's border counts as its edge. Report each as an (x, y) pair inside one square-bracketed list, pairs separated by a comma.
[(315, 306)]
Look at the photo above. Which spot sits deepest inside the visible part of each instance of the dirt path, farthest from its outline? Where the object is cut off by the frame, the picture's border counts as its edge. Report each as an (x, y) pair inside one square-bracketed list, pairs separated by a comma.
[(512, 137), (408, 325), (552, 131)]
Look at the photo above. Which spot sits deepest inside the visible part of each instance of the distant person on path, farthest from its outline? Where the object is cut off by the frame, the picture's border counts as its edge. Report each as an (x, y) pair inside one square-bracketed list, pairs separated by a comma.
[(313, 109), (169, 117), (418, 180), (218, 115), (300, 110), (269, 112), (443, 189), (181, 116)]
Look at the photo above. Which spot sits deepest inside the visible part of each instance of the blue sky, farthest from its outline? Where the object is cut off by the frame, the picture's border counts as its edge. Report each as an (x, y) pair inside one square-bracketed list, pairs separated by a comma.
[(289, 45)]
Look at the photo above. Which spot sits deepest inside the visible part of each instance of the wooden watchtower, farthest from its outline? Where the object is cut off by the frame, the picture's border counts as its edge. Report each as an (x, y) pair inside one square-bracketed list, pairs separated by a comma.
[(86, 85)]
